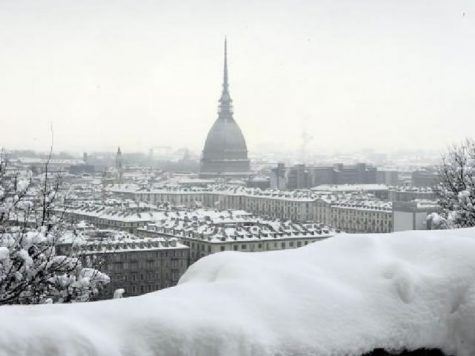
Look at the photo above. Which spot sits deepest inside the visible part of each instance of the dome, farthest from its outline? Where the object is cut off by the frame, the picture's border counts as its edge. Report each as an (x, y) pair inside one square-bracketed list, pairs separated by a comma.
[(225, 140), (225, 151)]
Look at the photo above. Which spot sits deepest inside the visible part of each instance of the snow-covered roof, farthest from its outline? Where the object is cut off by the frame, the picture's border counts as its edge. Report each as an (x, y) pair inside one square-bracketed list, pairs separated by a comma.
[(244, 228), (131, 245), (102, 241), (113, 214), (411, 189), (364, 205), (347, 196), (424, 203), (123, 188), (343, 296), (130, 214), (52, 161), (350, 187)]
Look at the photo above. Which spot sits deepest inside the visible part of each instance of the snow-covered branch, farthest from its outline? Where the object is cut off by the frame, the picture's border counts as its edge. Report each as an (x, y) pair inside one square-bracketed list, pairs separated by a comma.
[(456, 191), (31, 271)]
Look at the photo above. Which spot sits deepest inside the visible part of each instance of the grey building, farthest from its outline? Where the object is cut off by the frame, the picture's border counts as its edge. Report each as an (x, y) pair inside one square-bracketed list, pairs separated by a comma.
[(301, 176), (388, 177), (298, 177), (137, 265), (424, 178), (412, 215), (354, 174), (278, 177)]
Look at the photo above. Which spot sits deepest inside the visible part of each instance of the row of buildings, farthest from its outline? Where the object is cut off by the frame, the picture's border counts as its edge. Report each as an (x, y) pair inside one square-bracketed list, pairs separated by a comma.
[(351, 210), (159, 250), (301, 176)]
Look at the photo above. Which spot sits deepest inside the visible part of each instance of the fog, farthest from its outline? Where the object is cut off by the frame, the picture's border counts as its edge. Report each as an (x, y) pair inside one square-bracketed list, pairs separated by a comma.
[(352, 75)]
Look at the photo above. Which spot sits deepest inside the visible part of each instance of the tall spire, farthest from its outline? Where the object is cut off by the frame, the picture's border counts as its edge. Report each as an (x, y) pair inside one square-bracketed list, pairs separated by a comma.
[(225, 78), (225, 102), (119, 166)]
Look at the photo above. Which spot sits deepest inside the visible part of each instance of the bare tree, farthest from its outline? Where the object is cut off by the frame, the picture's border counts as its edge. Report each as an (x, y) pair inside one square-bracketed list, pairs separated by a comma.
[(31, 271), (456, 191)]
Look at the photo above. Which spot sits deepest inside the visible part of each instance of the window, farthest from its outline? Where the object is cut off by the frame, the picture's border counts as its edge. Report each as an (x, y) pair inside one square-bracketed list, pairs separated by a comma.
[(223, 248), (243, 246), (235, 247)]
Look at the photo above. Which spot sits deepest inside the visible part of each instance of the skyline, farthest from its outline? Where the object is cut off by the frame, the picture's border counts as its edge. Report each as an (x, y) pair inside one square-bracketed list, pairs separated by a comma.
[(137, 76)]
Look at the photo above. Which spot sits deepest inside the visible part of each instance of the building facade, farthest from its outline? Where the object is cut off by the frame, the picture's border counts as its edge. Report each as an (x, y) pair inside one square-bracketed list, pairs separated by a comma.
[(136, 264)]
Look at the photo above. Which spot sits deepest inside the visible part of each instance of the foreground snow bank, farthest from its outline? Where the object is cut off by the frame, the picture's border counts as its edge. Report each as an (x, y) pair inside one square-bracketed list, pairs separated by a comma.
[(342, 296)]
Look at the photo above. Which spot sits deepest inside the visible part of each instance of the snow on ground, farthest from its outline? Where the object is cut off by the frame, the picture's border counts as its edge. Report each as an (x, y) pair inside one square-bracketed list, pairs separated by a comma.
[(342, 296)]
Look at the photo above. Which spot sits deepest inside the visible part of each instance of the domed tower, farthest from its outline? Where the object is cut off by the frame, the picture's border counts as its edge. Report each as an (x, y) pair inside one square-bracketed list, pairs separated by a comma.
[(225, 151)]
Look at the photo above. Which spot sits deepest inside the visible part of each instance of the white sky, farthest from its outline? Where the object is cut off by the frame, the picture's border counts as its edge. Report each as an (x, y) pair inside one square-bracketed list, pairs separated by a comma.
[(355, 74)]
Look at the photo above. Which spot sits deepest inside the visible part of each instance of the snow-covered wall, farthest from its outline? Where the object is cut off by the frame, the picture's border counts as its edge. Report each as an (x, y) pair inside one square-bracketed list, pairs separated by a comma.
[(345, 295)]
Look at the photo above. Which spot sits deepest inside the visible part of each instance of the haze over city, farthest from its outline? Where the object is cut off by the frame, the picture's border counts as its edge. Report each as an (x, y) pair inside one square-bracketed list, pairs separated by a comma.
[(353, 75), (237, 178)]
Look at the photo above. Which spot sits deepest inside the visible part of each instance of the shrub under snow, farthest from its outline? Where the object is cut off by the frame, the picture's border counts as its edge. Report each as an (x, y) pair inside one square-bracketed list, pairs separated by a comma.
[(456, 190), (346, 295)]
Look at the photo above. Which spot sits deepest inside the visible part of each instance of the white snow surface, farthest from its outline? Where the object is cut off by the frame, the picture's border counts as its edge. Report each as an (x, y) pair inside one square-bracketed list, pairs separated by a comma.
[(342, 296)]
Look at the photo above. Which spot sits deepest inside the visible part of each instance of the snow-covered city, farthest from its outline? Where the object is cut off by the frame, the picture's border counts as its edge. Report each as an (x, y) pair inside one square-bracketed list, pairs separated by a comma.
[(283, 178)]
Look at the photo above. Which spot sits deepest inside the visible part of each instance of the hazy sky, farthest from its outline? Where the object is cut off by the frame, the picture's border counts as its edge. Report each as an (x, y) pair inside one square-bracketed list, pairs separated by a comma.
[(353, 73)]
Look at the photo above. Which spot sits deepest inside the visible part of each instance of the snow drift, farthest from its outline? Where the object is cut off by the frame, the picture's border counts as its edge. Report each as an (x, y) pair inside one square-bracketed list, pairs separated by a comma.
[(342, 296)]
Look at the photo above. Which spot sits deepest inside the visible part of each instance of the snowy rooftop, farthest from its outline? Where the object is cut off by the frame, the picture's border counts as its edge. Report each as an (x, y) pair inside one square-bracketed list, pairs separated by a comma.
[(240, 229), (52, 161), (123, 188), (295, 195), (343, 296), (217, 188), (115, 214), (424, 203), (364, 205), (130, 245), (103, 241), (412, 189), (127, 214), (348, 195), (350, 187)]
